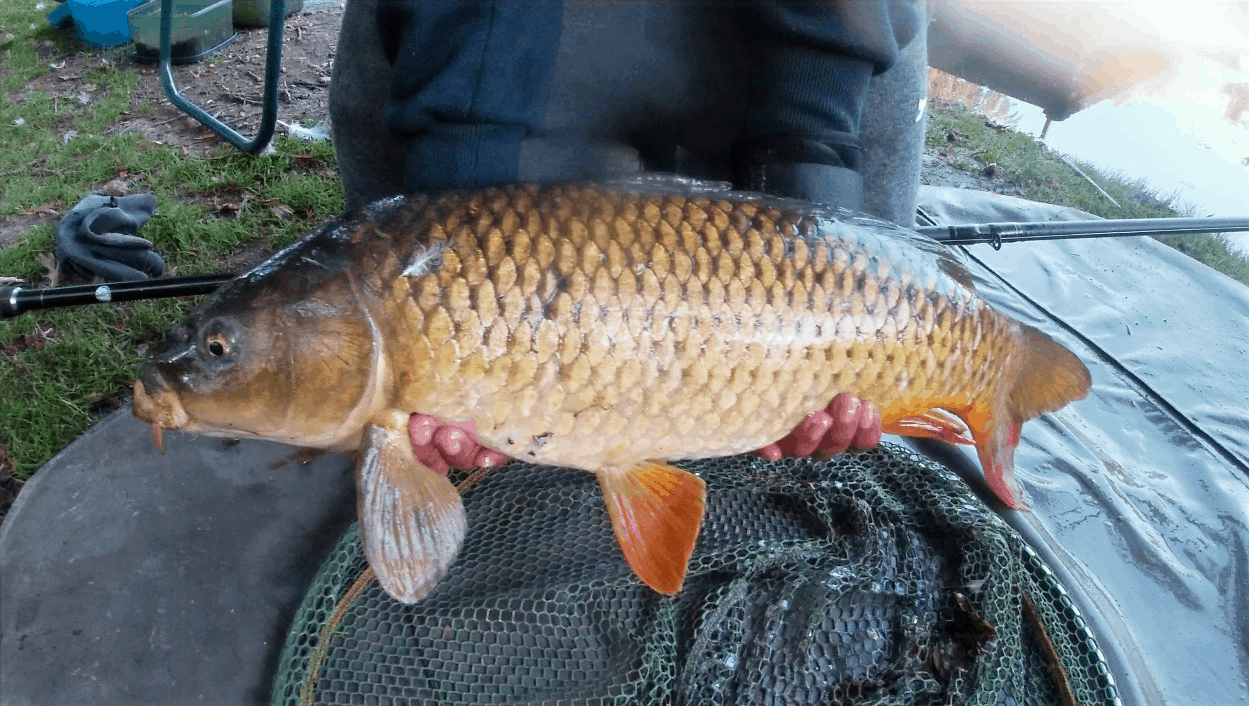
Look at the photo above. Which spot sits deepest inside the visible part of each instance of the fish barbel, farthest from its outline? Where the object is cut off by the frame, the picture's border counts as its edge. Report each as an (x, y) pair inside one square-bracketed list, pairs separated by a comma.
[(610, 328)]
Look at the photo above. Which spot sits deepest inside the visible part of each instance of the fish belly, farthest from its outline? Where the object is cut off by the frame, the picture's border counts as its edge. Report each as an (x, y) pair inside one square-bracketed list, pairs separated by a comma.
[(585, 327)]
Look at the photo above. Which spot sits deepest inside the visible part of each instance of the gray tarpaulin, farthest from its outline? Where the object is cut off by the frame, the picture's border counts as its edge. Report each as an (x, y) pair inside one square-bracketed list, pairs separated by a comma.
[(1141, 491), (134, 578)]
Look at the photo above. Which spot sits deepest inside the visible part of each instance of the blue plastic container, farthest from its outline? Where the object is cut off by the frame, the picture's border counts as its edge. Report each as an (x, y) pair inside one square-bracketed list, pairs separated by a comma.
[(60, 15), (102, 22)]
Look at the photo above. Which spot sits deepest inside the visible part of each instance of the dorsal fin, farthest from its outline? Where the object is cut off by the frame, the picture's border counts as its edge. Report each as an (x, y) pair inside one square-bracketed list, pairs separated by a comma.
[(955, 269)]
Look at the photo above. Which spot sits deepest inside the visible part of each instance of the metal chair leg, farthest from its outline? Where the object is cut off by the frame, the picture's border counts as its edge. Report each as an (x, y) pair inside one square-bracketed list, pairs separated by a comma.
[(273, 64)]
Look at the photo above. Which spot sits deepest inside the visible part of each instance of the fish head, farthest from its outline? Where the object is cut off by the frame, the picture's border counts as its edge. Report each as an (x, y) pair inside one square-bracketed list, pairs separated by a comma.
[(294, 363)]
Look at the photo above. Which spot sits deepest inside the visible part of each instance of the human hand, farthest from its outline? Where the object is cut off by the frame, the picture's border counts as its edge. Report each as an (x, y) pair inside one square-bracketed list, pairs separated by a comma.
[(440, 445), (848, 421)]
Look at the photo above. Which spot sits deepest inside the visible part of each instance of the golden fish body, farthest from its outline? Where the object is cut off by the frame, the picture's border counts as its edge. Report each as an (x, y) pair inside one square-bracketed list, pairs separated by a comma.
[(607, 328), (592, 328)]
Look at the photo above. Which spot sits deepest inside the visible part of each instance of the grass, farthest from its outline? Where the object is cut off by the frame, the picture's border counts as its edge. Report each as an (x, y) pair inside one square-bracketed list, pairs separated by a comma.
[(1041, 171), (1212, 250), (1047, 178), (21, 23), (65, 368), (60, 370)]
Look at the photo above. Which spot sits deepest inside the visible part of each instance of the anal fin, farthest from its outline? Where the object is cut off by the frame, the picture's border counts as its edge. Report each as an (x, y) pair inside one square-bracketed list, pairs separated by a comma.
[(656, 511), (934, 424), (412, 521)]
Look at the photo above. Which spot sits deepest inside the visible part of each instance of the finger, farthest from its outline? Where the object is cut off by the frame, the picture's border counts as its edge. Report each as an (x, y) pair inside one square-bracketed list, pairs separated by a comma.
[(489, 458), (456, 445), (429, 457), (771, 452), (470, 453), (844, 412), (867, 435), (806, 437), (421, 429)]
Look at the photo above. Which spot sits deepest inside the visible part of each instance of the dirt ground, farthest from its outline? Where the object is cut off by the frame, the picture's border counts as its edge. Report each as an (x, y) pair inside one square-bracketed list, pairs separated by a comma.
[(228, 85)]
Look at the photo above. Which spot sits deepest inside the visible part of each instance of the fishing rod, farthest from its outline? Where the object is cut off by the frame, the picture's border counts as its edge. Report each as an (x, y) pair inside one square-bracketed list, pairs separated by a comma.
[(17, 300), (997, 233)]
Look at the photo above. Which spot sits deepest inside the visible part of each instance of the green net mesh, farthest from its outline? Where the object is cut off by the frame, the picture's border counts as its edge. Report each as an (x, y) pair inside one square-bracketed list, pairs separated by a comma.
[(873, 578)]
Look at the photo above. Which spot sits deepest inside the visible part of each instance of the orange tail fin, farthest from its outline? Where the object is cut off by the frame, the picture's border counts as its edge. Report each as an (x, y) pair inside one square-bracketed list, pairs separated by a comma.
[(1046, 377), (656, 510)]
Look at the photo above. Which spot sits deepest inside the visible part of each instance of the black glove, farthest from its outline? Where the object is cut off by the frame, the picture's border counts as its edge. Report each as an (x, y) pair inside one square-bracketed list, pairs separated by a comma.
[(98, 238)]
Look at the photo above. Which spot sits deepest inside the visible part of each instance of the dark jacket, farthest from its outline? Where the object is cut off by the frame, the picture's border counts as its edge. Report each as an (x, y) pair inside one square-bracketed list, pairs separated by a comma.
[(491, 92)]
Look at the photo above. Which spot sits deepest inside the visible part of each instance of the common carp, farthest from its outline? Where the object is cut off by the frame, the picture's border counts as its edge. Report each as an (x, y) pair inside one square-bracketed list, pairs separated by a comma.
[(610, 328)]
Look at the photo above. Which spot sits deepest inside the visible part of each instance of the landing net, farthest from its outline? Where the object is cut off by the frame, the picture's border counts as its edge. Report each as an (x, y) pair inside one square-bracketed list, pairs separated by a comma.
[(873, 578)]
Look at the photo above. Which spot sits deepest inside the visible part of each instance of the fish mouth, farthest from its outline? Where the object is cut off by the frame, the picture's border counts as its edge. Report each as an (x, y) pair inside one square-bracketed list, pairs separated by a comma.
[(160, 407)]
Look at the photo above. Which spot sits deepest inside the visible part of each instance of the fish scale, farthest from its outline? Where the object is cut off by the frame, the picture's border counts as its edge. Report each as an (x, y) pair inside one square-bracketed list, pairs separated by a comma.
[(719, 279), (603, 327)]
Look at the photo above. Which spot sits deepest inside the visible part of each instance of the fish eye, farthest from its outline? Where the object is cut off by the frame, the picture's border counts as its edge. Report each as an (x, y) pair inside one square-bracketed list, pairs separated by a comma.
[(217, 340), (217, 346)]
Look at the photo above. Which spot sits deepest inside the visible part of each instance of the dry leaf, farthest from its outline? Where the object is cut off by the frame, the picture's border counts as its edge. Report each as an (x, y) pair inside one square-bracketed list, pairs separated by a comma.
[(115, 187), (49, 265)]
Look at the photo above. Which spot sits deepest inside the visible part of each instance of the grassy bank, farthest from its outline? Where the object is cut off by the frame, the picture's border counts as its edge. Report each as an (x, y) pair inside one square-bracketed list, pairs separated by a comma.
[(1046, 177), (60, 370)]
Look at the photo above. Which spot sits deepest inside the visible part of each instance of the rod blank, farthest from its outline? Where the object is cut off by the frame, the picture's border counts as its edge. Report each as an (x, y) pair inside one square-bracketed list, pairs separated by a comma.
[(17, 300), (998, 233)]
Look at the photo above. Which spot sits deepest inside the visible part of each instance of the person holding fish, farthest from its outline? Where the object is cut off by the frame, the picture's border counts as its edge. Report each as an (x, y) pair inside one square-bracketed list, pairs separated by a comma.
[(539, 92), (536, 293)]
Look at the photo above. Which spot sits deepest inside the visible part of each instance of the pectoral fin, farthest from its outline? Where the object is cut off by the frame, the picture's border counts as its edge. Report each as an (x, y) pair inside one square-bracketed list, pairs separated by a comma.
[(655, 510), (412, 521)]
